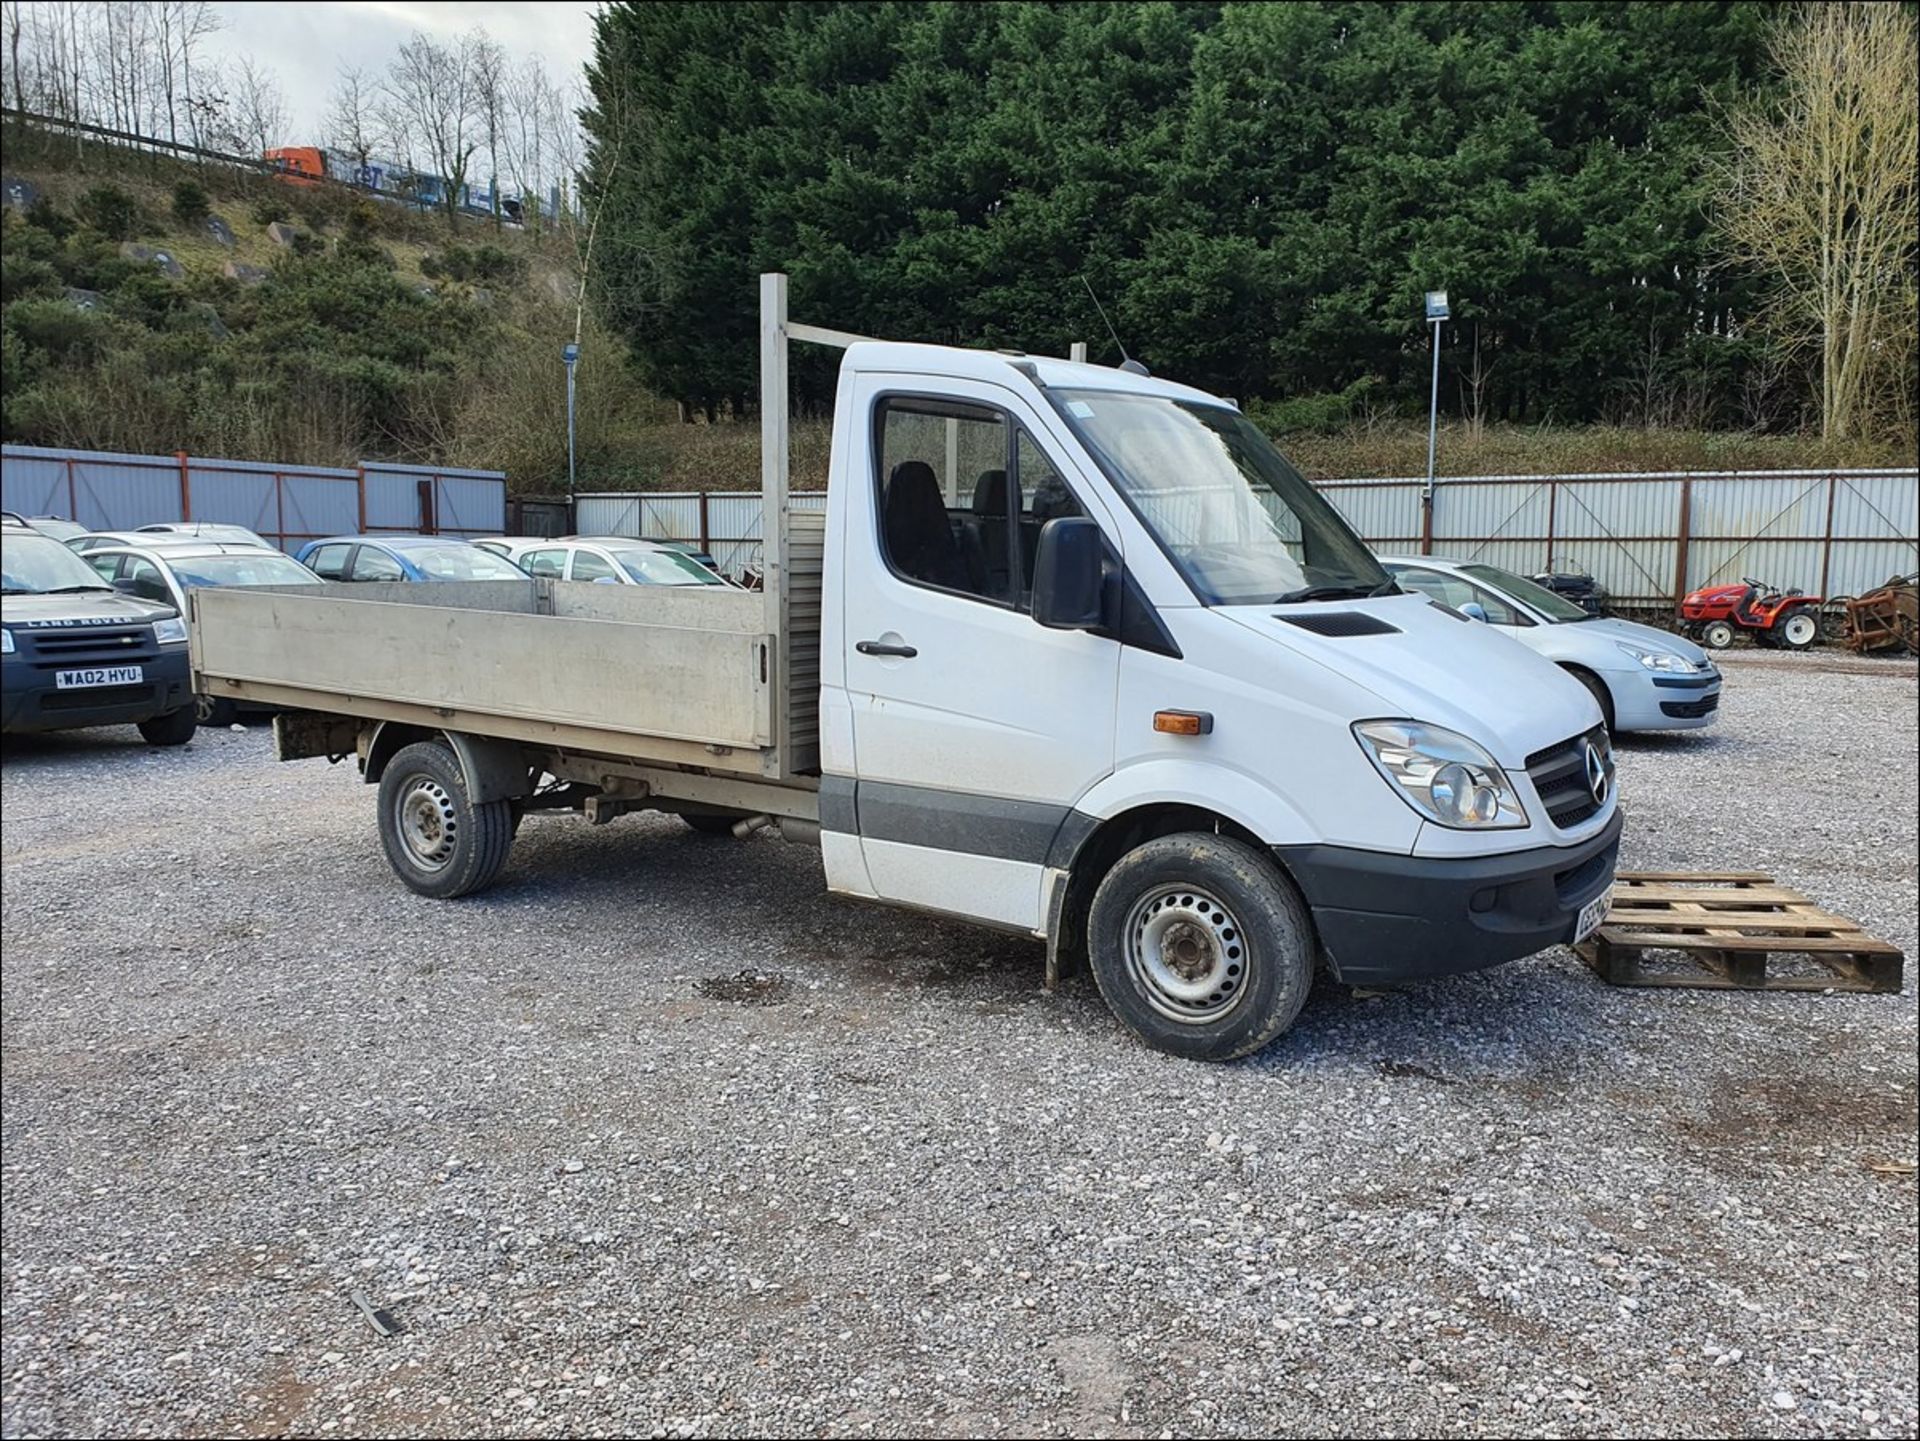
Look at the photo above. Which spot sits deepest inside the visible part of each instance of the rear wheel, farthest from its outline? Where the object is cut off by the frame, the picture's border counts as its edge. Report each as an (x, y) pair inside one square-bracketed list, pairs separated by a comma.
[(210, 711), (175, 728), (1799, 629), (437, 841), (1200, 946), (1716, 635)]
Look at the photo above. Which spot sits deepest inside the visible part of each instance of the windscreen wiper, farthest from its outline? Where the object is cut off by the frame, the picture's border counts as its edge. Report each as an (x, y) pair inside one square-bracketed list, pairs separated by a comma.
[(1337, 592), (74, 589)]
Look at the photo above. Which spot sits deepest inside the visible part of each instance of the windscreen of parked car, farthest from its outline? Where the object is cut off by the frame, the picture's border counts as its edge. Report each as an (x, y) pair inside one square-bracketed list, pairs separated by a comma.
[(36, 564), (266, 568), (664, 567), (1243, 526), (1556, 608), (462, 562)]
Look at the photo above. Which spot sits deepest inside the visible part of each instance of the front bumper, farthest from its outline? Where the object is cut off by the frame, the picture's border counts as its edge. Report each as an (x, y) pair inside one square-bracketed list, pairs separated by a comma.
[(1385, 917), (30, 700), (1649, 701)]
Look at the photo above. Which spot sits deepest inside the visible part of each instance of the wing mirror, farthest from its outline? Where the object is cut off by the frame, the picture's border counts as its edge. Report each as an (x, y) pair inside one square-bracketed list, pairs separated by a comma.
[(1069, 574), (1473, 610)]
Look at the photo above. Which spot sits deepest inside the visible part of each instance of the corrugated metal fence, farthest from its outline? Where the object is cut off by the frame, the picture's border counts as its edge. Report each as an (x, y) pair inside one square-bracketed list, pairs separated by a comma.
[(1648, 538), (286, 504)]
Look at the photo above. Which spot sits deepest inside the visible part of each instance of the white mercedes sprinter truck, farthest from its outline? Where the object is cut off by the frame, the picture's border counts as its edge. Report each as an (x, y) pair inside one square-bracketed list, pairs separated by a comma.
[(1073, 652)]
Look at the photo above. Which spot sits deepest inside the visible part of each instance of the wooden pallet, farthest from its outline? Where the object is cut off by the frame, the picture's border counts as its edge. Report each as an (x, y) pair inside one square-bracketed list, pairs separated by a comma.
[(1732, 925)]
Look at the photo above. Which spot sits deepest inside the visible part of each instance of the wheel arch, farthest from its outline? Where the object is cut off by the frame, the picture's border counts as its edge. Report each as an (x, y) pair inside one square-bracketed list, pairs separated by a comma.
[(494, 770), (1590, 678), (1081, 862)]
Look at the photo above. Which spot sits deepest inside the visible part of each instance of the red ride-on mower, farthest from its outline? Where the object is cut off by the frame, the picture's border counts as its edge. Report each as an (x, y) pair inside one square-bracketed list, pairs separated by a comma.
[(1715, 614)]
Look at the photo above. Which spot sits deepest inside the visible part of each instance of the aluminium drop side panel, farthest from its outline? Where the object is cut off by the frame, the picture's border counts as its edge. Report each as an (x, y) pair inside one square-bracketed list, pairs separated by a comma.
[(630, 663)]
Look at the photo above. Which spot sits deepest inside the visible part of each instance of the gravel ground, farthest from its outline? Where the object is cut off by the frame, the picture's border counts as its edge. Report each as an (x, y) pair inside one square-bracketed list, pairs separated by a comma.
[(887, 1185)]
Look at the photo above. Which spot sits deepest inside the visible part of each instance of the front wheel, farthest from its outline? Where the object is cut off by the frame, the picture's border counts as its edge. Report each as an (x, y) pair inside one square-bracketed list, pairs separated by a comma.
[(1716, 635), (437, 841), (1800, 629), (1200, 946), (175, 728), (1597, 688)]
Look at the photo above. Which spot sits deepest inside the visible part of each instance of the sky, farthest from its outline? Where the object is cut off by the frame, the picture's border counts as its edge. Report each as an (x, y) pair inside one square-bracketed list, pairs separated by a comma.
[(306, 44)]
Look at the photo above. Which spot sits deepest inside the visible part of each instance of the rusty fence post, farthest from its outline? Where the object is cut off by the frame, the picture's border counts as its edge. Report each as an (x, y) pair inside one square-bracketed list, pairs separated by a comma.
[(1683, 539), (186, 487)]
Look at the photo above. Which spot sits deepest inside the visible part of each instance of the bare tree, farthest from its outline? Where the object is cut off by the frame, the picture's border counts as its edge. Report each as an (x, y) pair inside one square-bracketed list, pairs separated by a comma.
[(353, 123), (431, 102), (259, 112), (490, 82), (1820, 194), (1473, 388)]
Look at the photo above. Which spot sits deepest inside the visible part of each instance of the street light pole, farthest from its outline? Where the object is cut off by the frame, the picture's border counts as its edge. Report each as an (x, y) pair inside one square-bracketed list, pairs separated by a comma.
[(570, 353), (1436, 317)]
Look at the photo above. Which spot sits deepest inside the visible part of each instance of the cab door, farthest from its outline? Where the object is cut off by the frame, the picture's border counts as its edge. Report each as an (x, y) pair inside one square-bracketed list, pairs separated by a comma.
[(975, 729)]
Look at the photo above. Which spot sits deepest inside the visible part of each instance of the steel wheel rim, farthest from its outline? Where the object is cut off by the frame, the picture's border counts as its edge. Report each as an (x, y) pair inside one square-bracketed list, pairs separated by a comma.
[(426, 822), (1719, 636), (1800, 629), (1186, 954)]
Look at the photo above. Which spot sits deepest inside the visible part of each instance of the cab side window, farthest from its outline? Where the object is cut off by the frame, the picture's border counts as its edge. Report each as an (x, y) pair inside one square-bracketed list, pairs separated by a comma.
[(329, 562), (371, 564), (942, 482)]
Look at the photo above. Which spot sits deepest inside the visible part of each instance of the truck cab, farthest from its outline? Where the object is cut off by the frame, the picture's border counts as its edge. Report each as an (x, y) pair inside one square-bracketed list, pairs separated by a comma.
[(1071, 610)]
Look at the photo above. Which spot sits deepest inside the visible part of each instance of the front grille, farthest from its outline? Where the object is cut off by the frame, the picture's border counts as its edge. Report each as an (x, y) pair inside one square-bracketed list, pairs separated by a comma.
[(90, 646), (1691, 709), (88, 697), (1560, 775)]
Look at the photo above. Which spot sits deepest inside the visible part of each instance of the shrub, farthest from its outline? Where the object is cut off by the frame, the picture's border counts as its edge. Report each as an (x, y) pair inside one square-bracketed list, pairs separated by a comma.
[(269, 209), (57, 329), (110, 210), (190, 203), (43, 216), (482, 264), (305, 244)]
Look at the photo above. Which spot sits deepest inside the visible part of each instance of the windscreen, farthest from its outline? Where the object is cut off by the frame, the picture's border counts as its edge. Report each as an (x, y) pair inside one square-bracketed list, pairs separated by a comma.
[(1243, 526), (265, 568), (1556, 608), (35, 564), (461, 562), (664, 567)]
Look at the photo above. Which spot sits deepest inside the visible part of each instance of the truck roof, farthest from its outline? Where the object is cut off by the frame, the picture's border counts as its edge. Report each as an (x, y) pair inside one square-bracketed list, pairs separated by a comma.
[(960, 362)]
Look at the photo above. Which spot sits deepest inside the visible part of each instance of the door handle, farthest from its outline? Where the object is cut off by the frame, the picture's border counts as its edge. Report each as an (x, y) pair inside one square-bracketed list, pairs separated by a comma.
[(881, 647)]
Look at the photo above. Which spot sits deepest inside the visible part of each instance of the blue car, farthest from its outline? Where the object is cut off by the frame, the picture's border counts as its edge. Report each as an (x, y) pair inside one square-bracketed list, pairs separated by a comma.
[(404, 557)]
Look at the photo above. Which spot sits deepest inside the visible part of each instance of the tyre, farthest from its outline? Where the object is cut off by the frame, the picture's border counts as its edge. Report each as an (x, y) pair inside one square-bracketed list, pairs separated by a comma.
[(175, 728), (210, 711), (1716, 634), (437, 841), (1798, 628), (709, 824), (1598, 689), (1201, 946)]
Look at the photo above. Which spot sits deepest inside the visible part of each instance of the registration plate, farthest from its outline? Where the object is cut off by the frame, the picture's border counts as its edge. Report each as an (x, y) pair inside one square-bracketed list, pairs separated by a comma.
[(1592, 916), (97, 675)]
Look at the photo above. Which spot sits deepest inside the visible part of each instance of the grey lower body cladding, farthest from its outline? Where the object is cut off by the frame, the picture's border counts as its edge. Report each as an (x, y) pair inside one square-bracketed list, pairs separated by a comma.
[(1381, 916)]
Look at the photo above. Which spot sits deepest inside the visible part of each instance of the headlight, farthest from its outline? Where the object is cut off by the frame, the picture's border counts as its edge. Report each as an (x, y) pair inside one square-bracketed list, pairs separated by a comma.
[(1661, 660), (1442, 775), (170, 632), (6, 642)]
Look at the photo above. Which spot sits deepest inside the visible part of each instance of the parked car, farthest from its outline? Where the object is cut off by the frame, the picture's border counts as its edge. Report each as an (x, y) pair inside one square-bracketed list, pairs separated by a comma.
[(613, 559), (207, 530), (167, 572), (51, 525), (1644, 679), (404, 557), (75, 652), (103, 539)]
